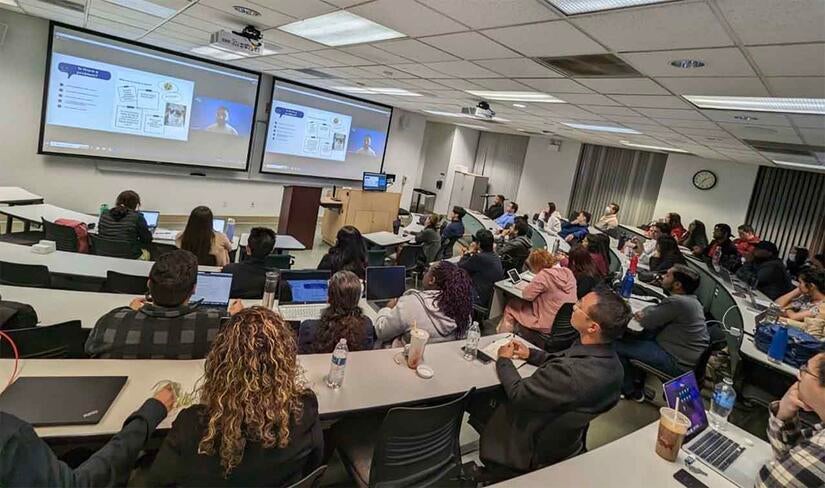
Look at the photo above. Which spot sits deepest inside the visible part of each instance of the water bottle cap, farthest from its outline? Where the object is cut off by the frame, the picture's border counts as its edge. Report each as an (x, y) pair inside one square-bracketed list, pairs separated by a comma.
[(342, 341), (727, 380)]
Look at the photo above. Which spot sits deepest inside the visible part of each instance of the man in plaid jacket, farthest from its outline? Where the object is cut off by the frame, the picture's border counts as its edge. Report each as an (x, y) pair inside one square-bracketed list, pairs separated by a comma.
[(799, 454)]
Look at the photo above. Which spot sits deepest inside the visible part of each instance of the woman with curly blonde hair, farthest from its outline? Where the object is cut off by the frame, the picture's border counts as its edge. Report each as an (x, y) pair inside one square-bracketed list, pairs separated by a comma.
[(256, 424)]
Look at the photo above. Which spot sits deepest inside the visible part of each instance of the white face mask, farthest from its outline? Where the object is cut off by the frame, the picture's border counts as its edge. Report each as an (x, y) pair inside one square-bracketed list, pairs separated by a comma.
[(608, 209)]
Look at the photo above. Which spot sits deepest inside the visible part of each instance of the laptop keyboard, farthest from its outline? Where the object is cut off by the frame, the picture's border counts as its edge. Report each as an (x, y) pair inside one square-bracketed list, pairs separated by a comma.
[(716, 449), (308, 311)]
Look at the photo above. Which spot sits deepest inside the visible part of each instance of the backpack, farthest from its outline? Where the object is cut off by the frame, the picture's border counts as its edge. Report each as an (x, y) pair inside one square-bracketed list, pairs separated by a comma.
[(15, 315), (80, 230)]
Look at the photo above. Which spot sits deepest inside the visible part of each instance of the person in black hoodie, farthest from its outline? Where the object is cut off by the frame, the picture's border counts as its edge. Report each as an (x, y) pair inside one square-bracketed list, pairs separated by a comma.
[(667, 254), (123, 222), (764, 269), (722, 241), (514, 252), (483, 265), (249, 276), (496, 210)]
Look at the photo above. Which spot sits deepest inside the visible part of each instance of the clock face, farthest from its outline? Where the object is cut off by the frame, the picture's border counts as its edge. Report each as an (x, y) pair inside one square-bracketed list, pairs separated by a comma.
[(704, 179)]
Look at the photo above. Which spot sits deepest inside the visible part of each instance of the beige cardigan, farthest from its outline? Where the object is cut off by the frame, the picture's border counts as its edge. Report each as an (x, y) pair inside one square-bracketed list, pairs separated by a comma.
[(220, 247)]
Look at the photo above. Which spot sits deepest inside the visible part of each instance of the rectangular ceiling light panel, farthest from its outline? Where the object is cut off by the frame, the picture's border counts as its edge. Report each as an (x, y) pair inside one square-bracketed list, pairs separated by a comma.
[(573, 7), (340, 28), (812, 106)]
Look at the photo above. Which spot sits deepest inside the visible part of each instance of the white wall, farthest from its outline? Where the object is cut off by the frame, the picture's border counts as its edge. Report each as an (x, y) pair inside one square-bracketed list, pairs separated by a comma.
[(76, 183), (446, 148), (727, 202), (548, 175)]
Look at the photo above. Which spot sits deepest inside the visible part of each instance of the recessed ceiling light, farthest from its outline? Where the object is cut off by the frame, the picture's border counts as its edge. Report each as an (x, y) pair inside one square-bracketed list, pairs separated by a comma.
[(799, 165), (653, 148), (143, 6), (340, 28), (745, 117), (398, 92), (519, 105), (687, 63), (814, 106), (516, 96), (601, 128), (572, 7), (216, 53), (246, 11)]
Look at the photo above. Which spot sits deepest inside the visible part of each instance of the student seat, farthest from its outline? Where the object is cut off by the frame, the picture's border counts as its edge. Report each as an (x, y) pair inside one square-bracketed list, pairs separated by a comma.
[(64, 340), (31, 275), (375, 257), (114, 248), (313, 479), (279, 261), (126, 284), (64, 237), (411, 256), (414, 446), (562, 335)]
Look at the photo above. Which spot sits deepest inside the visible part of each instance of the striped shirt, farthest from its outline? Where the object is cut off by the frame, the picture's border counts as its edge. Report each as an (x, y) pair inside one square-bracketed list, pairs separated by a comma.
[(799, 455)]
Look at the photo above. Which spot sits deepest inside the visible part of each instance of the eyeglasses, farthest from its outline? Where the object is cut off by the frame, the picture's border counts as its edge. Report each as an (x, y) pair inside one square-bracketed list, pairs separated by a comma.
[(804, 369), (578, 305)]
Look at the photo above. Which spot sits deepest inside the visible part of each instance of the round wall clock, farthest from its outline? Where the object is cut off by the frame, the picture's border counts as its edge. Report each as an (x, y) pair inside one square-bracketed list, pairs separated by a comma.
[(704, 179)]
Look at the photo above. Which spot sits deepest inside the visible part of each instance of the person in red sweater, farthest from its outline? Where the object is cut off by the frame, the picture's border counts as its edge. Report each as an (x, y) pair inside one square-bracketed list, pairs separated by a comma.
[(747, 240)]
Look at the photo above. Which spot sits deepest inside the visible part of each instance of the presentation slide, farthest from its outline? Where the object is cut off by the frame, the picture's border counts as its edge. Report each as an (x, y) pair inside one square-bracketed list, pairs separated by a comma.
[(316, 133), (115, 99)]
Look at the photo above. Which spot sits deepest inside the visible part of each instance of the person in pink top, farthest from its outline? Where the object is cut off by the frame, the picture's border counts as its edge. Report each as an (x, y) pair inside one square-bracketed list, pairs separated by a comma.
[(551, 287)]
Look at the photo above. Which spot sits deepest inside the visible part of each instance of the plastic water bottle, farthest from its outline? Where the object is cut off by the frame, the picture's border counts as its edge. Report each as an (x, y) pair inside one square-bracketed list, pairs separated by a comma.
[(716, 259), (471, 343), (270, 289), (335, 378), (721, 404), (629, 278), (103, 209), (230, 228)]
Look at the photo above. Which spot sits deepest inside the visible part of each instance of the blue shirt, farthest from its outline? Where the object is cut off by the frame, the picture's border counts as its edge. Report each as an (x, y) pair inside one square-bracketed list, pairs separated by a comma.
[(453, 229), (505, 220), (576, 230)]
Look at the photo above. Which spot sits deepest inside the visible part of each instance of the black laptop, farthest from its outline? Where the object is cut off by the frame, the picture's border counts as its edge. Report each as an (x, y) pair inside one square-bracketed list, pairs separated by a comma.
[(385, 283), (46, 401)]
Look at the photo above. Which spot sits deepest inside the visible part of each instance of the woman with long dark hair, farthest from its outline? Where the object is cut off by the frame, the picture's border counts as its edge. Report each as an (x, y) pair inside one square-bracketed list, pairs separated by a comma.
[(599, 247), (211, 247), (677, 230), (695, 237), (443, 309), (666, 255), (343, 318), (256, 423), (349, 253), (581, 263)]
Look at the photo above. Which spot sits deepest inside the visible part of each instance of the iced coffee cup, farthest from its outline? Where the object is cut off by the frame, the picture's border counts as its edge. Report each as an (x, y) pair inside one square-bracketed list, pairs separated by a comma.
[(673, 427), (418, 339)]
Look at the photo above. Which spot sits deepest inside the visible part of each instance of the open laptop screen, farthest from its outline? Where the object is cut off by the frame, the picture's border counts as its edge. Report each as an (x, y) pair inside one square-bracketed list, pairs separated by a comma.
[(218, 224), (385, 282), (690, 402), (303, 287), (213, 288), (151, 218)]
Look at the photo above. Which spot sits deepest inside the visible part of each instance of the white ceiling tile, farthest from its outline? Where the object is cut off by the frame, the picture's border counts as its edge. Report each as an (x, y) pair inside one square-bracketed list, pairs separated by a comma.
[(415, 51), (763, 133), (346, 3), (718, 62), (756, 118), (301, 9), (546, 39), (569, 111), (518, 68), (288, 40), (208, 25), (672, 26), (314, 60), (480, 14), (677, 123), (458, 83), (607, 110), (555, 85), (374, 54), (501, 84), (469, 45), (809, 121), (792, 60), (587, 99), (424, 84), (769, 22), (39, 9), (114, 28), (743, 87), (813, 136), (342, 58), (797, 87), (268, 17), (623, 86), (651, 101), (462, 69), (666, 113), (115, 13), (407, 17), (386, 72), (419, 70)]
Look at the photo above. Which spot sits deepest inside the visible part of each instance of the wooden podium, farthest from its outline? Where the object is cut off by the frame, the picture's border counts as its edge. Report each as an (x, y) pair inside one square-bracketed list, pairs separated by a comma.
[(368, 211), (299, 213)]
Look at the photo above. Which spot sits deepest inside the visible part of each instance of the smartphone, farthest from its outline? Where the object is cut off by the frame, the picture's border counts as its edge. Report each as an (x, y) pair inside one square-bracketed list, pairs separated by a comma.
[(514, 276), (481, 356), (688, 479)]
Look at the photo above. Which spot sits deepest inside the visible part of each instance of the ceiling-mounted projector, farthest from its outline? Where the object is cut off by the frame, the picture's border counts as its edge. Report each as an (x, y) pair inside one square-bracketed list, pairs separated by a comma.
[(481, 111), (249, 42)]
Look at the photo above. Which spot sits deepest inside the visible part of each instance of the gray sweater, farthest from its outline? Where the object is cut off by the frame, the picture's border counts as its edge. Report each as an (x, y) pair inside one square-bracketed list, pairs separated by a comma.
[(392, 327), (679, 323)]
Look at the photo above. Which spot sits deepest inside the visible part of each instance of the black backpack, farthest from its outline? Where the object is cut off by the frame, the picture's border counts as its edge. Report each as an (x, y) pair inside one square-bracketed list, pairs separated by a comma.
[(16, 315)]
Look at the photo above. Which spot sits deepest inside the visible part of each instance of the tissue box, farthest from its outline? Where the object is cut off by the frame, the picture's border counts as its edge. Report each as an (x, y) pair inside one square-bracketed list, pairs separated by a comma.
[(44, 247)]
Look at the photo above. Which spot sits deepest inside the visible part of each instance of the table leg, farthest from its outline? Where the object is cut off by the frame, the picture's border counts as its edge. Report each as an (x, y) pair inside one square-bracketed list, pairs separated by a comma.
[(8, 224)]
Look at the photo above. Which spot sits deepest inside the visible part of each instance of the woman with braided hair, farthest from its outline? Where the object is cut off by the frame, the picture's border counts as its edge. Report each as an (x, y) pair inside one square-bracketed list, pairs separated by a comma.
[(443, 309), (257, 423)]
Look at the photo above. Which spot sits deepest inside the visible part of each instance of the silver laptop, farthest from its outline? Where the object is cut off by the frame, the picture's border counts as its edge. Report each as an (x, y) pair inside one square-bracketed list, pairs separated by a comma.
[(151, 218), (212, 290), (218, 224), (734, 454)]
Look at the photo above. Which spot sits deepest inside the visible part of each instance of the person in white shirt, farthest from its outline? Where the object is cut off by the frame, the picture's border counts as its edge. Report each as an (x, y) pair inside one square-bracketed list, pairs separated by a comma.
[(366, 147), (610, 220), (646, 249), (221, 125), (551, 218)]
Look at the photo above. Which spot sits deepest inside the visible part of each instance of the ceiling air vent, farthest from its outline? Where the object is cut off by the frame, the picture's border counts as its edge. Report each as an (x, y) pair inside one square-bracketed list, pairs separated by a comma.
[(315, 72), (76, 6), (592, 65), (784, 148)]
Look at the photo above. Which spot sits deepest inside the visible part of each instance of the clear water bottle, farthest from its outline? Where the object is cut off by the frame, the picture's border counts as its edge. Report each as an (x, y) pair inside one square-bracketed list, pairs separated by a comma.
[(230, 228), (772, 314), (335, 378), (716, 259), (103, 209), (721, 404), (270, 290), (471, 343)]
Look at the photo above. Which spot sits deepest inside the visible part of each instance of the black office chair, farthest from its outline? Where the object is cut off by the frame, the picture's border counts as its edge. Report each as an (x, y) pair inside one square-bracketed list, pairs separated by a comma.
[(64, 237), (446, 250), (411, 256), (279, 261), (375, 257), (313, 479), (114, 248), (57, 341), (562, 335), (31, 275), (126, 284), (415, 446)]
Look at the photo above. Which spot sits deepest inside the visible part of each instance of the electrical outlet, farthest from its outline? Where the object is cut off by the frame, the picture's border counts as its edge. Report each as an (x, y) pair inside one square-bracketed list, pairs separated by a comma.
[(252, 204)]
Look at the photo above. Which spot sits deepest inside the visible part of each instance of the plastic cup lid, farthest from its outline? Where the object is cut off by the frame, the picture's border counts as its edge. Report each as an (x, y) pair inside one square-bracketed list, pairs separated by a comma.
[(424, 371)]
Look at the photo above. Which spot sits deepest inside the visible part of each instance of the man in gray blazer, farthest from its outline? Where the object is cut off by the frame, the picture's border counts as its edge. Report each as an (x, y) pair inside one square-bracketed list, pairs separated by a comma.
[(542, 419)]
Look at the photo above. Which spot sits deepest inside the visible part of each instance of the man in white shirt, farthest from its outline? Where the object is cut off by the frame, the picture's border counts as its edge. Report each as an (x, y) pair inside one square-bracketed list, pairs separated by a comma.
[(221, 124), (366, 148)]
